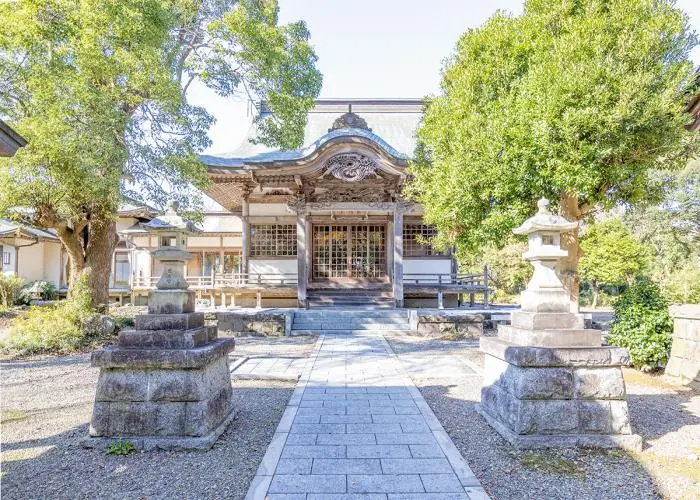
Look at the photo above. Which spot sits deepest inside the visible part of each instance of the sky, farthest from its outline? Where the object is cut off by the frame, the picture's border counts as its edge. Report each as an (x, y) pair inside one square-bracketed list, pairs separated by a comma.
[(375, 49)]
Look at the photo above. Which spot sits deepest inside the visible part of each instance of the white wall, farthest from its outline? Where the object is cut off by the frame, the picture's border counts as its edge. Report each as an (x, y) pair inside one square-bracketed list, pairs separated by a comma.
[(203, 241), (141, 263), (270, 267), (269, 209), (31, 262), (52, 262), (423, 266)]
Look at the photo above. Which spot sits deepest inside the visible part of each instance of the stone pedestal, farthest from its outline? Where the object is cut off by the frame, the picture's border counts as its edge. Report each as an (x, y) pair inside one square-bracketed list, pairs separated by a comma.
[(166, 385), (548, 382), (542, 397)]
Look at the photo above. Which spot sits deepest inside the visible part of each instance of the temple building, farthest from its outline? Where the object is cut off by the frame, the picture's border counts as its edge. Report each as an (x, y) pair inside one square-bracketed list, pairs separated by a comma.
[(322, 225)]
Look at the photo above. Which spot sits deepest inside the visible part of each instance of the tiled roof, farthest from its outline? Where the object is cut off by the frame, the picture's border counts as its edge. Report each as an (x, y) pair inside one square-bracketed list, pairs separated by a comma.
[(231, 160), (392, 123), (8, 228)]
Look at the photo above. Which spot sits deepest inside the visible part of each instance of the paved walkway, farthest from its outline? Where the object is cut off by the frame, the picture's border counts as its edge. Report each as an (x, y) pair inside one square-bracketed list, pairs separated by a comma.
[(357, 427)]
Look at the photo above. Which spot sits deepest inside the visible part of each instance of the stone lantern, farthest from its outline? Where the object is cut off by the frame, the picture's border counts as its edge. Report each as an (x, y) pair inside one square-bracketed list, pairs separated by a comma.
[(166, 384), (548, 381), (171, 295)]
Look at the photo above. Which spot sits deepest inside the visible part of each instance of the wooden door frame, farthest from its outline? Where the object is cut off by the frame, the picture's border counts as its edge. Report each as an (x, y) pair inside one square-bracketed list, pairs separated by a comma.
[(348, 279)]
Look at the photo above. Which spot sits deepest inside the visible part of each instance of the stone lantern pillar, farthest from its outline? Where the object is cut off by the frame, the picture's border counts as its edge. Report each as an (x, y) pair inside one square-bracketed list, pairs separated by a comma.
[(548, 381), (166, 384)]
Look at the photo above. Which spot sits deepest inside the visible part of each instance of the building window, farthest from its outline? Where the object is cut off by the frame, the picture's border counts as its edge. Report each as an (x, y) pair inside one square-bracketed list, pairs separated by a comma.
[(121, 268), (417, 240), (273, 240)]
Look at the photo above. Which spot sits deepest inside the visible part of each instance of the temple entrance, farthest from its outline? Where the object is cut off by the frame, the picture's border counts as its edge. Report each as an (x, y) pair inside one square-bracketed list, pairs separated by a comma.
[(349, 252)]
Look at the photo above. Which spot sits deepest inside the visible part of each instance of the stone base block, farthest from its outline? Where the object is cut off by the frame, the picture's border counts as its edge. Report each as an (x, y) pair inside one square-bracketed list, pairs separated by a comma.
[(168, 339), (156, 443), (171, 301), (554, 300), (184, 321), (438, 325), (550, 338), (544, 397), (546, 321), (632, 442), (144, 358)]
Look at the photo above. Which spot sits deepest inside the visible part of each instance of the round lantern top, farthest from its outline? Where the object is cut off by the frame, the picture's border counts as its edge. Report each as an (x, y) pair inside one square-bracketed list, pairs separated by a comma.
[(544, 220), (171, 221)]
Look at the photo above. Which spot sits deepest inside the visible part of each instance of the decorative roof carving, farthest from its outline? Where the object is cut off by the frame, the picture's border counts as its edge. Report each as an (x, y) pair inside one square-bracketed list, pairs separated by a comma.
[(350, 167), (349, 120)]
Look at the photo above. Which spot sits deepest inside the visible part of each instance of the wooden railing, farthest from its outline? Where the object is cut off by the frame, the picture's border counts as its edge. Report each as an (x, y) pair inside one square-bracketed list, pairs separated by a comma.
[(461, 283), (224, 280)]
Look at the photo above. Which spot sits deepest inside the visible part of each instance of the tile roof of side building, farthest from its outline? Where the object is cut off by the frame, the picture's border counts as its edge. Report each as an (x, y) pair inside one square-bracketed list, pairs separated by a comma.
[(392, 123), (10, 140)]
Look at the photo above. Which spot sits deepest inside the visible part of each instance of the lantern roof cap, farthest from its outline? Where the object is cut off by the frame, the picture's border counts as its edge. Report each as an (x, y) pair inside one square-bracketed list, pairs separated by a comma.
[(544, 220), (171, 221)]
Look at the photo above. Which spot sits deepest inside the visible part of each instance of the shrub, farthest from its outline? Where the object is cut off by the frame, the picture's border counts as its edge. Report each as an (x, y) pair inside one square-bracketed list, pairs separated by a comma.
[(642, 324), (45, 290), (9, 290), (56, 328)]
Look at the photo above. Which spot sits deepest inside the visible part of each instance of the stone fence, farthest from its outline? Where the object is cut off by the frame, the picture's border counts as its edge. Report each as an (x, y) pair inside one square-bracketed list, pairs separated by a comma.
[(684, 362)]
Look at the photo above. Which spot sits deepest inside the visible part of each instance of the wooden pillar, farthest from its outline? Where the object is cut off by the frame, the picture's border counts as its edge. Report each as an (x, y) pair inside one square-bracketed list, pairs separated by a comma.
[(258, 300), (245, 251), (301, 258), (398, 257), (441, 302)]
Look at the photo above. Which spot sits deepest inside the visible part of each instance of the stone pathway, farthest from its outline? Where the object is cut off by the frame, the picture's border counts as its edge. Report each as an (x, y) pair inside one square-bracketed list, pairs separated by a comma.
[(357, 427), (270, 367)]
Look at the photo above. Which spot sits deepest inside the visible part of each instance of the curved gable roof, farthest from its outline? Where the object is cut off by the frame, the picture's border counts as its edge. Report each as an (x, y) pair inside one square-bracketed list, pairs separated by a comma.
[(299, 154), (392, 122)]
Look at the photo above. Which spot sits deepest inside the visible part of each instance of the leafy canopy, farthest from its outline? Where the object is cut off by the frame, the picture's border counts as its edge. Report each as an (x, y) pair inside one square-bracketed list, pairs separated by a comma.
[(611, 255), (582, 97), (98, 87)]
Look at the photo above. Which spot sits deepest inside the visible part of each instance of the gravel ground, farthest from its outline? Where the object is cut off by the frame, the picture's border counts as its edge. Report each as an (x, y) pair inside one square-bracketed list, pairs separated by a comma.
[(46, 405), (667, 417)]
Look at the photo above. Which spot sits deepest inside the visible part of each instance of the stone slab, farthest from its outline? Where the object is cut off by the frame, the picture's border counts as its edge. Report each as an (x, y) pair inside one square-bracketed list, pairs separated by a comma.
[(116, 357), (631, 442), (167, 339), (518, 355), (155, 443), (550, 338), (169, 321)]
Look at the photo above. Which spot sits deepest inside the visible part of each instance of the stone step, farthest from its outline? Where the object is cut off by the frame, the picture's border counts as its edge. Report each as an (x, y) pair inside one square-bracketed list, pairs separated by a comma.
[(350, 326), (363, 313), (349, 332)]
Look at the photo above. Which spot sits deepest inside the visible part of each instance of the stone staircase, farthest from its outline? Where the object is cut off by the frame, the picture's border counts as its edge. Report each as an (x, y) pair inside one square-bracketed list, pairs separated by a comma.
[(379, 298), (349, 321)]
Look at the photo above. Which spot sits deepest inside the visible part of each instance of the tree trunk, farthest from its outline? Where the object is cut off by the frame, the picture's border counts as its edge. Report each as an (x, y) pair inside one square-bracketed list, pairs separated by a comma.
[(568, 266), (90, 250), (98, 259)]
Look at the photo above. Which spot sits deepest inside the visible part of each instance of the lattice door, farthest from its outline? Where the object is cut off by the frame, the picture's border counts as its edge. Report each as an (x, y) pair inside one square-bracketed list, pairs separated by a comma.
[(330, 252), (368, 252), (354, 251)]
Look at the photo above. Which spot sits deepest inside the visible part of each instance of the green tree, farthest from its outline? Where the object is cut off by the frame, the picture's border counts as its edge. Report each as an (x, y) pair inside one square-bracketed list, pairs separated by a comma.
[(610, 255), (573, 100), (508, 272), (98, 87)]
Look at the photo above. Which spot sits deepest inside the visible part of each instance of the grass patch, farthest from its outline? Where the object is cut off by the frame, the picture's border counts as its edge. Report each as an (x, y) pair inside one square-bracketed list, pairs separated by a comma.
[(61, 328), (550, 464)]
